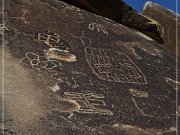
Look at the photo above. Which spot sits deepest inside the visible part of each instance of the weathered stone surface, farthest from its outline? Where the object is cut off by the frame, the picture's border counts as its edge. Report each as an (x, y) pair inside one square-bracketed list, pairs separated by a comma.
[(69, 72), (167, 20), (122, 13)]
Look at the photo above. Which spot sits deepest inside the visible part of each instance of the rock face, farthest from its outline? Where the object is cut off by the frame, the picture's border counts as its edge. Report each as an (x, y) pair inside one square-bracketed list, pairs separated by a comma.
[(69, 72), (122, 13), (167, 20)]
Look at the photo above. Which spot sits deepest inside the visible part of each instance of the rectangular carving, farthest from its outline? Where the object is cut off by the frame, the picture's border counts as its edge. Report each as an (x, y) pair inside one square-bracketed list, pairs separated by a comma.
[(113, 66)]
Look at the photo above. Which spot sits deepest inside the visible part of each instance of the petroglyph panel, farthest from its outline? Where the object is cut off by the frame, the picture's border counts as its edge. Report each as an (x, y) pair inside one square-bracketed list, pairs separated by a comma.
[(89, 102), (113, 66)]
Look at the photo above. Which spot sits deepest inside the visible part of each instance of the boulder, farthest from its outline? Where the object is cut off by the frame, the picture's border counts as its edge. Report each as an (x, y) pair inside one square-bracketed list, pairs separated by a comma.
[(122, 13), (168, 25)]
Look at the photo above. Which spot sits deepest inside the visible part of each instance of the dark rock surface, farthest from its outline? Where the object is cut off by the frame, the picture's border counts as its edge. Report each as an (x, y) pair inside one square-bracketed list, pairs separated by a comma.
[(120, 12), (167, 20), (69, 72)]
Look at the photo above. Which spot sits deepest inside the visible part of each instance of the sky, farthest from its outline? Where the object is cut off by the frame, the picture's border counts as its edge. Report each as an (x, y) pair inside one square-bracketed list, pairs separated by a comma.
[(138, 4)]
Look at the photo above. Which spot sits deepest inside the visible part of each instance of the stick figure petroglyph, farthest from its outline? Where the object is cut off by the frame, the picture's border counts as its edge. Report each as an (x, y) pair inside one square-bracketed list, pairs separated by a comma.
[(99, 27), (22, 17)]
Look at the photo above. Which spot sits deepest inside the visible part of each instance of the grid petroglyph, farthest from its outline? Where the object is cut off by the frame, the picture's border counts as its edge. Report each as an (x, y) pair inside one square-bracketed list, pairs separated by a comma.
[(113, 66)]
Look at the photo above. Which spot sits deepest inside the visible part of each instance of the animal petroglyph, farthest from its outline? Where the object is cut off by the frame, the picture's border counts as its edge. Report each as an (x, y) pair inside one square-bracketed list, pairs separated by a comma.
[(22, 17), (39, 62), (137, 93), (172, 83), (62, 55), (113, 66), (89, 102), (99, 27), (53, 40)]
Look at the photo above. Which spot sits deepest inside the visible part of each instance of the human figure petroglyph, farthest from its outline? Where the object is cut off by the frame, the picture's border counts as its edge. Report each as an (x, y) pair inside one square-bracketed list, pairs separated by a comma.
[(22, 17), (113, 66), (89, 102), (39, 62), (98, 27), (85, 40)]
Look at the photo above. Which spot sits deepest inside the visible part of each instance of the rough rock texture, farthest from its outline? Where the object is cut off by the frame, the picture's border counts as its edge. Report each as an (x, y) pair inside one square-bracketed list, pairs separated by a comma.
[(69, 72), (167, 20), (120, 12)]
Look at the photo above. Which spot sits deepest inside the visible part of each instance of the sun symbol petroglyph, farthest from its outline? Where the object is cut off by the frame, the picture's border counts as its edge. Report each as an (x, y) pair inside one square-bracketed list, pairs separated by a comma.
[(39, 62), (113, 66), (22, 17), (89, 102), (99, 27)]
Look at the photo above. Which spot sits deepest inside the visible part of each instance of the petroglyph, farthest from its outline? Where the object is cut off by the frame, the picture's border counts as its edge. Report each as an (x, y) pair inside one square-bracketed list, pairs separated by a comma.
[(129, 48), (62, 55), (70, 82), (90, 103), (39, 62), (113, 66), (99, 27), (53, 40), (22, 17), (172, 83), (137, 93), (145, 114), (84, 39)]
